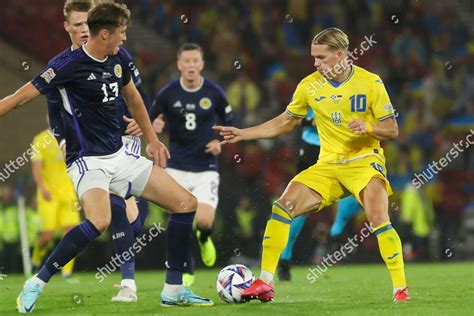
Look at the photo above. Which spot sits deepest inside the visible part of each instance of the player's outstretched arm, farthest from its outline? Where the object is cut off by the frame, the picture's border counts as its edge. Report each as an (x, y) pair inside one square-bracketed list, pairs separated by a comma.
[(384, 130), (281, 124), (23, 95), (155, 148)]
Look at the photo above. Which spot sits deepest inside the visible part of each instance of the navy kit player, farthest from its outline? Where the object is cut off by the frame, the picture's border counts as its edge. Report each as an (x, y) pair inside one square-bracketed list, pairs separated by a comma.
[(190, 106), (125, 225), (96, 158)]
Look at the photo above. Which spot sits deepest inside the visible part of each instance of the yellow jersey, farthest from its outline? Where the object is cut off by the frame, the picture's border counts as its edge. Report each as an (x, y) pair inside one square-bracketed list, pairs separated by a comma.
[(53, 167), (362, 95)]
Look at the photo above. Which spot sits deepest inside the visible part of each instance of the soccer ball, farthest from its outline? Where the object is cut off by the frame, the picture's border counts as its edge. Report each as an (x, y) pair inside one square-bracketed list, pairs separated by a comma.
[(232, 281)]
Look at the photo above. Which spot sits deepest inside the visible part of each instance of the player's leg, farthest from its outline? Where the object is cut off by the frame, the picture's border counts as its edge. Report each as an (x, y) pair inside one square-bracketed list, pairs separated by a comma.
[(40, 249), (308, 154), (123, 238), (204, 219), (92, 188), (205, 216), (296, 200), (163, 190), (66, 271), (375, 200), (206, 191), (366, 179), (48, 213), (68, 217), (133, 215), (347, 208), (285, 259), (310, 190)]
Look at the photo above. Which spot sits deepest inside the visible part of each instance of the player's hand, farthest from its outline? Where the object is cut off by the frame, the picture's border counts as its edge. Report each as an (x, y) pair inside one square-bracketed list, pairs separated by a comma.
[(132, 127), (46, 194), (230, 134), (214, 147), (159, 124), (158, 152), (358, 127)]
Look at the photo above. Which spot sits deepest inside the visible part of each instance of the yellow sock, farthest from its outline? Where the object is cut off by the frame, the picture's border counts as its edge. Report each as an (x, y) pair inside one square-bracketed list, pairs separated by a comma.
[(38, 254), (391, 251), (275, 238), (67, 269)]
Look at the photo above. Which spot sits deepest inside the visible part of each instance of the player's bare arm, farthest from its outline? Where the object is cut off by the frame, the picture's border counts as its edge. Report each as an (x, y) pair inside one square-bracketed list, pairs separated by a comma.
[(384, 130), (275, 127), (155, 149), (22, 96)]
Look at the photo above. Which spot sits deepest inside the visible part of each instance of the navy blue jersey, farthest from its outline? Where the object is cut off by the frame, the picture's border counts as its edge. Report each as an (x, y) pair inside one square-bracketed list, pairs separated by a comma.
[(189, 117), (56, 121), (89, 90), (137, 80), (55, 102)]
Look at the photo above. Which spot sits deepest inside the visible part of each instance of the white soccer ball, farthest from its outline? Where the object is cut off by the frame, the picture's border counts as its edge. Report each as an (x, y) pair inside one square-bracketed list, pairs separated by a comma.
[(232, 281)]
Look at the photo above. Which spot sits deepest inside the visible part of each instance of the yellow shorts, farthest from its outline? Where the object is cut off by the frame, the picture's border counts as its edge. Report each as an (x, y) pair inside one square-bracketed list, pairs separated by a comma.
[(58, 213), (334, 181)]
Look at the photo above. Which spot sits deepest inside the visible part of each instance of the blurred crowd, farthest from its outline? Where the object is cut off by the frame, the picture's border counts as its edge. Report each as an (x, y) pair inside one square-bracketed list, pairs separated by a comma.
[(259, 50)]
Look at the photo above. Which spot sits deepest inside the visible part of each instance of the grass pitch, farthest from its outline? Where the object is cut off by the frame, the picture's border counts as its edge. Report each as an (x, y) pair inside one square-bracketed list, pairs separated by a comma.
[(435, 289)]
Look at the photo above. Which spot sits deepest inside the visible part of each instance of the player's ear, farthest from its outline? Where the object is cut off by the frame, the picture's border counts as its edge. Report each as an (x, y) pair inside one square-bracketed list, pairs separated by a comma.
[(66, 26), (178, 64), (104, 34), (340, 54), (202, 65)]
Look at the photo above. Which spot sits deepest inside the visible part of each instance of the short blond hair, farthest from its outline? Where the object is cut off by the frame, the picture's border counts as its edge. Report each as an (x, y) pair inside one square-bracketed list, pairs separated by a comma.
[(333, 37), (77, 6)]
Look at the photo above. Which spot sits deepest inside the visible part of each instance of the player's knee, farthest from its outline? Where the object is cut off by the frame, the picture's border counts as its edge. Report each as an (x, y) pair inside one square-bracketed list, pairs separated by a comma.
[(101, 224), (186, 205), (204, 222), (377, 218)]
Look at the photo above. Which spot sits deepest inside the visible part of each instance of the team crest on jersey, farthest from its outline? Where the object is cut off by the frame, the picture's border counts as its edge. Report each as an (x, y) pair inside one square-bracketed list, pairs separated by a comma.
[(205, 103), (336, 98), (118, 71), (336, 118), (48, 75)]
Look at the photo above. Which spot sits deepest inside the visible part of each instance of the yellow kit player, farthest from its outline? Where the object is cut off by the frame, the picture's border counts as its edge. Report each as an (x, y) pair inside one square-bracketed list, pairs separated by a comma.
[(57, 201), (354, 114)]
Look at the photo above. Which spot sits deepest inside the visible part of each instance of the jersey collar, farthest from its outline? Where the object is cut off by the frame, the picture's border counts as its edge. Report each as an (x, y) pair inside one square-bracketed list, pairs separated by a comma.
[(191, 90), (90, 56), (336, 84)]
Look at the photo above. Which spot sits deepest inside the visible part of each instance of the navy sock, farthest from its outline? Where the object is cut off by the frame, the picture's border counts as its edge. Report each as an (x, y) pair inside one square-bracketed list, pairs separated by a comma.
[(136, 225), (122, 237), (205, 233), (189, 262), (178, 242), (72, 243), (142, 209)]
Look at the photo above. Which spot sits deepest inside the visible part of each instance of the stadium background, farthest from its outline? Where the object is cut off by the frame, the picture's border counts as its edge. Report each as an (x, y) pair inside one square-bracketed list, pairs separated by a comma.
[(258, 52)]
